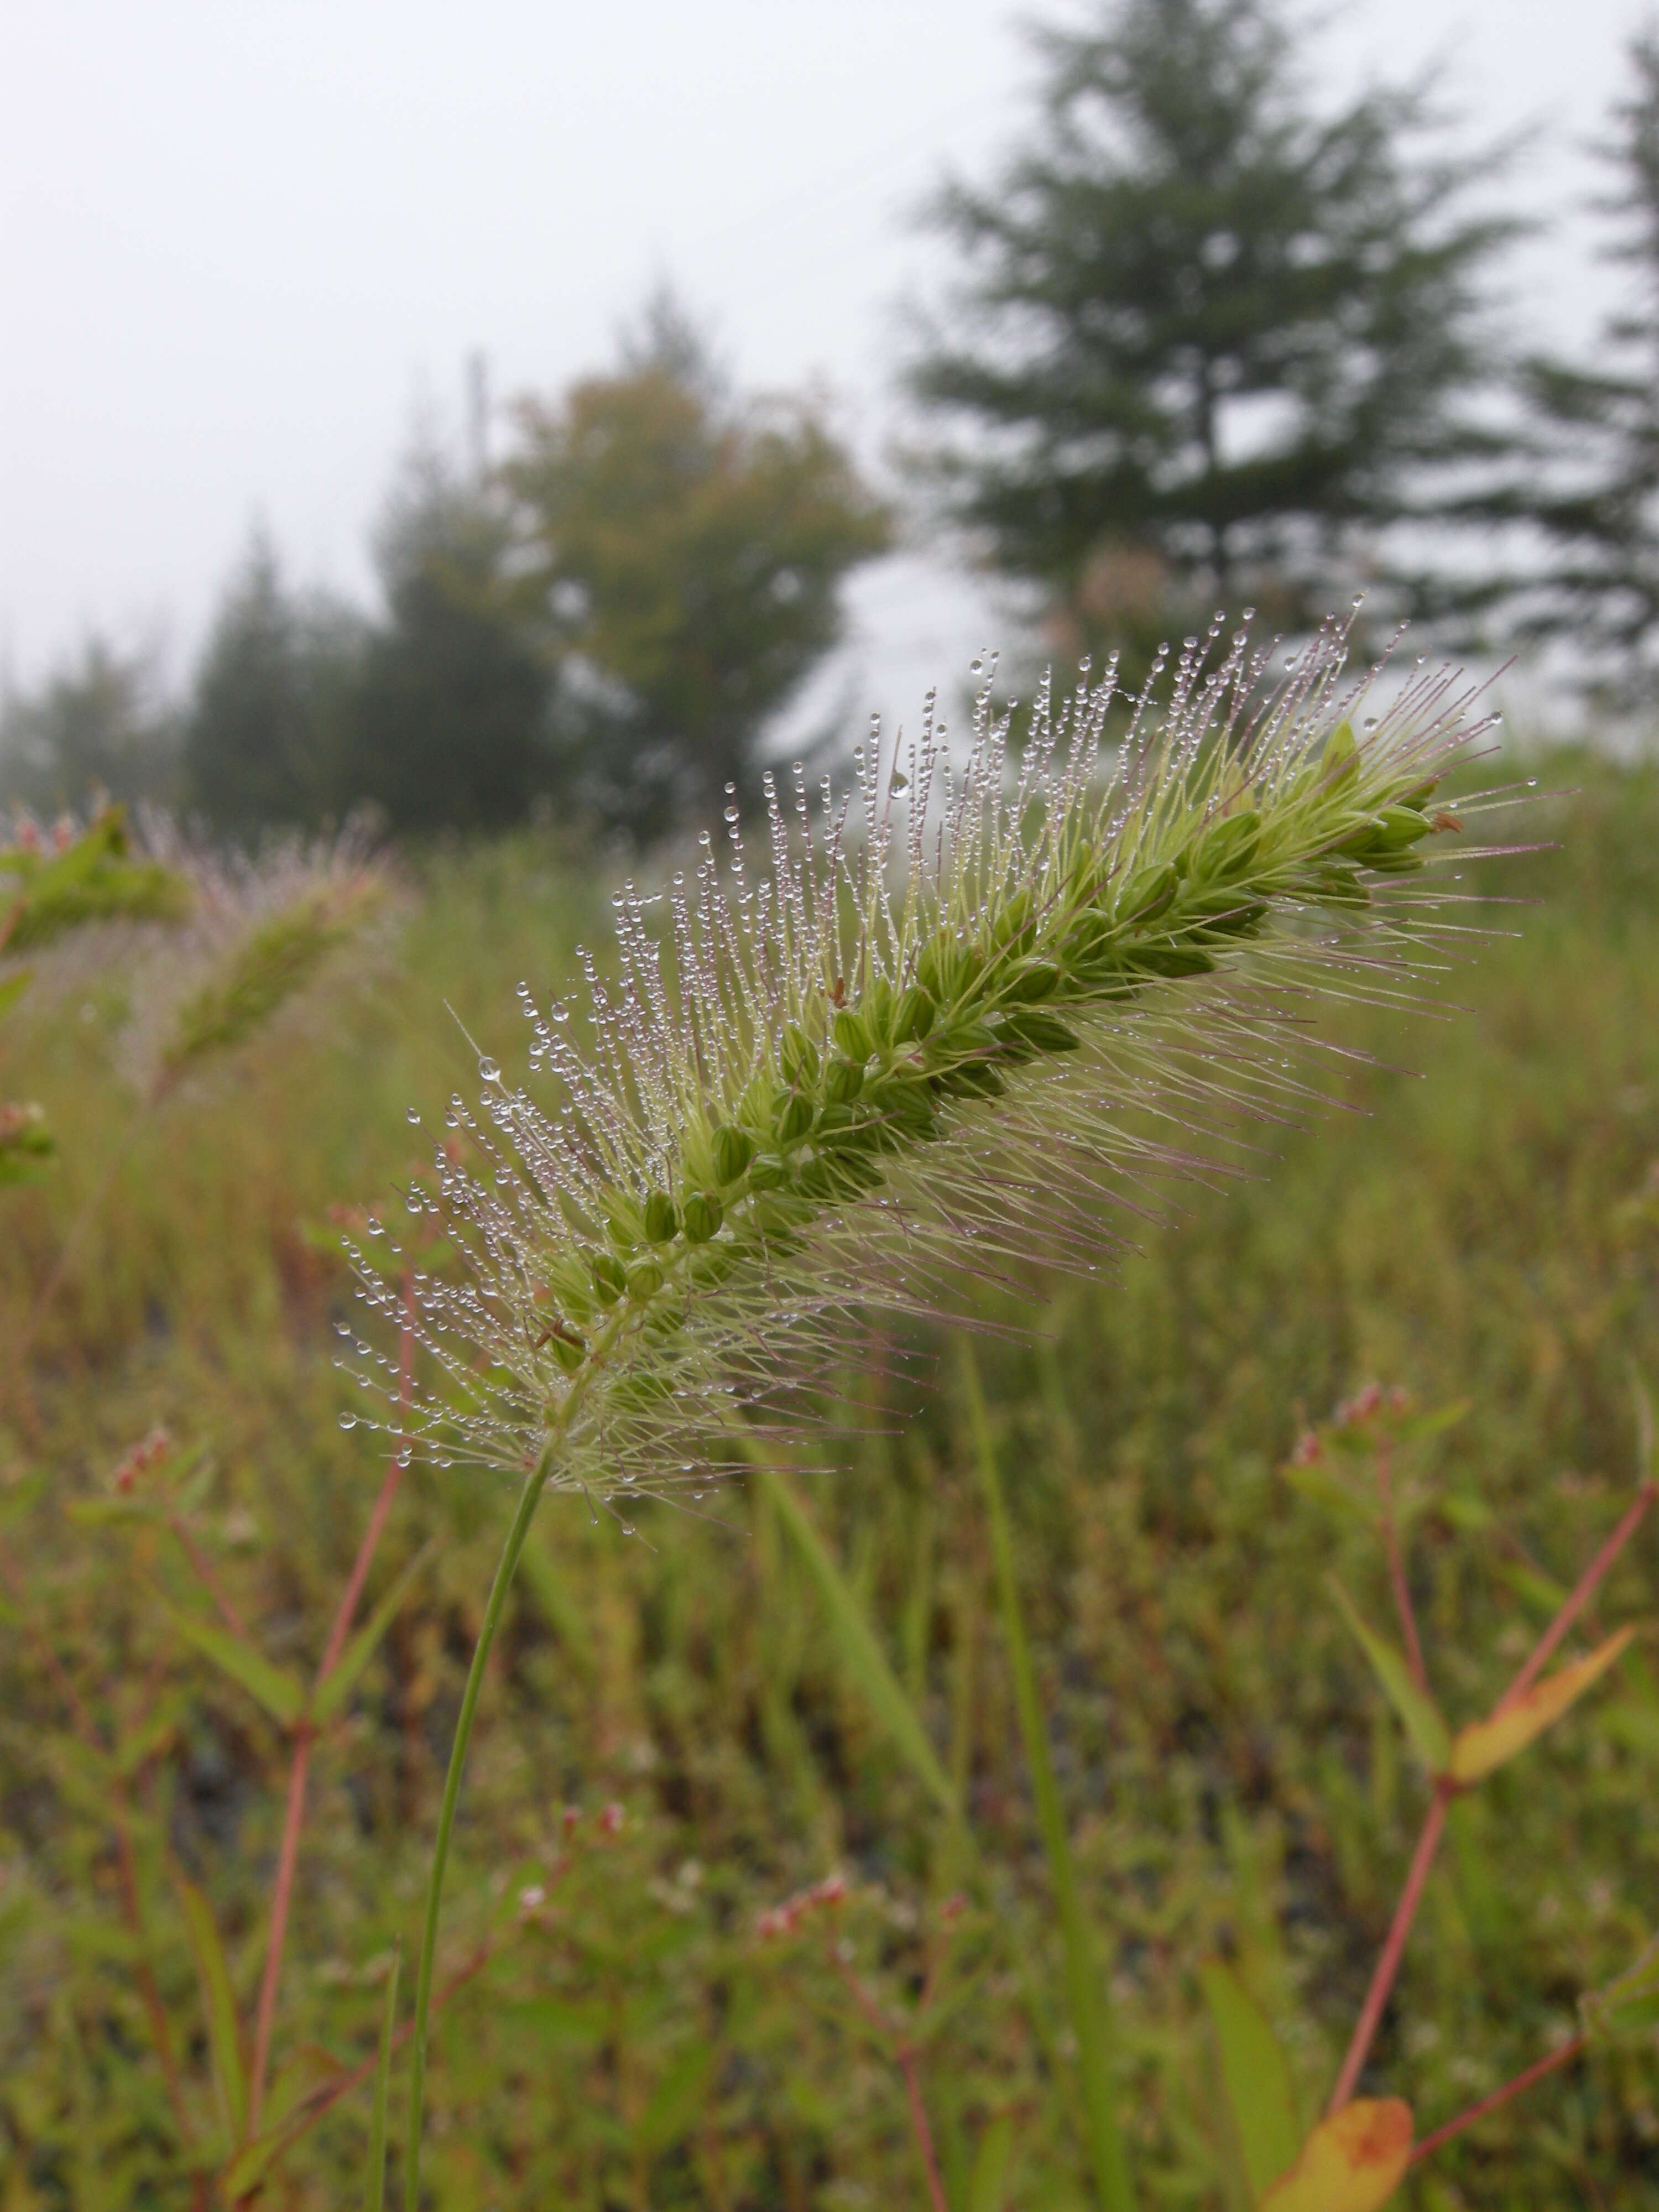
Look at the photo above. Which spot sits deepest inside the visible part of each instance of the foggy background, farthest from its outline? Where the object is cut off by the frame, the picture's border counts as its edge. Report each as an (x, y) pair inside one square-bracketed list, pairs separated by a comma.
[(246, 248)]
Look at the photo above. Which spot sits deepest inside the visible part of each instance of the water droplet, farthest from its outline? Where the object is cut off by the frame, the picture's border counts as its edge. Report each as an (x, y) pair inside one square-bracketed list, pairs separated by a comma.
[(413, 1117), (1370, 721), (900, 781), (488, 1070), (415, 1202), (348, 1420)]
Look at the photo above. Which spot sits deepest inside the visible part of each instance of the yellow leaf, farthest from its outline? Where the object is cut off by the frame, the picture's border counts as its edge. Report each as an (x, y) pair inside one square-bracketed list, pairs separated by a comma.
[(1486, 1744), (1352, 2162)]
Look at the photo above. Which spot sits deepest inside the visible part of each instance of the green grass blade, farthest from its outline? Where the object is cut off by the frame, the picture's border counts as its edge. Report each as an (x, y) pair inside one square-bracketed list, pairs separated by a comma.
[(333, 1690), (859, 1644), (218, 2002), (282, 1694), (985, 2189), (1419, 1714), (376, 2198), (1256, 2076), (1107, 2158)]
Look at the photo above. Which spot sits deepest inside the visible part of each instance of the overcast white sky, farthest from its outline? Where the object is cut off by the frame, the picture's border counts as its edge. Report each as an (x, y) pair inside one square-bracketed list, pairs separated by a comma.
[(244, 239)]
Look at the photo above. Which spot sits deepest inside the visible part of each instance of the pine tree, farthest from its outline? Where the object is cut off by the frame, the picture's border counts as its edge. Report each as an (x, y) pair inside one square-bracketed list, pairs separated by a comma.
[(1597, 501), (1207, 342), (266, 727), (447, 728)]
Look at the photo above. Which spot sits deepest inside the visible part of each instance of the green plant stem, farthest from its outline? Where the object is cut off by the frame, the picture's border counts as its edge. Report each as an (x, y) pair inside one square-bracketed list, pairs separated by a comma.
[(523, 1514), (1107, 2156)]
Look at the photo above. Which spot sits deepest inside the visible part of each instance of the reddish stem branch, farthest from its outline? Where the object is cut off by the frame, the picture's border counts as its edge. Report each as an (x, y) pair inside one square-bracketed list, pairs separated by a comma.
[(323, 2100), (906, 2054), (287, 1856), (294, 1818), (346, 1611), (1535, 2072), (1402, 1595), (198, 1559), (1583, 1591), (1387, 1965)]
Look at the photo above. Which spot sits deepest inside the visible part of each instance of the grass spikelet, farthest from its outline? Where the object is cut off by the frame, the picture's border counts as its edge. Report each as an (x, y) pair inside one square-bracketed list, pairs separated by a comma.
[(942, 1006), (48, 888), (264, 971)]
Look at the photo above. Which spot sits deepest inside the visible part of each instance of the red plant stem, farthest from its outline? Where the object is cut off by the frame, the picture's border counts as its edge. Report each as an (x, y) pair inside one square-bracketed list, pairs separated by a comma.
[(323, 2100), (906, 2056), (1387, 1965), (1402, 1596), (210, 1581), (1535, 2072), (359, 1566), (1583, 1590), (294, 1818)]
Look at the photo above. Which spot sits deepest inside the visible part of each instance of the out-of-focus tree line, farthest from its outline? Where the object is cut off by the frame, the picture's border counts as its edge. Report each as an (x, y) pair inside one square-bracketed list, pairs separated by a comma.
[(1208, 343)]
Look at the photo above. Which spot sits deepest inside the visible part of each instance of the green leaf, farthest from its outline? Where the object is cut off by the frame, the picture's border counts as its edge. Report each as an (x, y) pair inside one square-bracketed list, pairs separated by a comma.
[(674, 2100), (224, 2040), (1627, 2009), (859, 1647), (13, 988), (560, 2020), (990, 2175), (1485, 1745), (282, 1694), (331, 1692), (1419, 1714), (1351, 2162), (1256, 2076)]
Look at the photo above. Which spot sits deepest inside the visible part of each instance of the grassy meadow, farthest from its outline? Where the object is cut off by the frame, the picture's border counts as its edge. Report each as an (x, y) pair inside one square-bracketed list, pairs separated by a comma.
[(673, 1740)]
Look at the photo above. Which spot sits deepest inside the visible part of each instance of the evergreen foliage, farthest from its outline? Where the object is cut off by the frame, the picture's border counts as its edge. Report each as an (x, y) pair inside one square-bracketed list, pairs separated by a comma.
[(98, 722), (266, 723), (447, 722), (1598, 503), (1207, 343)]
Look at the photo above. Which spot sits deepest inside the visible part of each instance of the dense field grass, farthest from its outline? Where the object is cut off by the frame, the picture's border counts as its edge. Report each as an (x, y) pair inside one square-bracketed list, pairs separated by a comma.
[(1483, 1227)]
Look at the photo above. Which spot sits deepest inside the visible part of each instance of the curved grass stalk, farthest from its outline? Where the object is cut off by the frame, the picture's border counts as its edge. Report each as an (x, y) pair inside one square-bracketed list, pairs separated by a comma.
[(518, 1529)]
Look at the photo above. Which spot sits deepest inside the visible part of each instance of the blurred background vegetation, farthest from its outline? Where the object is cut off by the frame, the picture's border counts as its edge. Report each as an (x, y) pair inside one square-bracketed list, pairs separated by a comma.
[(1210, 344)]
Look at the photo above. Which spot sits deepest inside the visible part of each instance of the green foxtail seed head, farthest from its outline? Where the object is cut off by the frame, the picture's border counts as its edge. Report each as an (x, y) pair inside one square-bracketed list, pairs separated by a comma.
[(892, 1050)]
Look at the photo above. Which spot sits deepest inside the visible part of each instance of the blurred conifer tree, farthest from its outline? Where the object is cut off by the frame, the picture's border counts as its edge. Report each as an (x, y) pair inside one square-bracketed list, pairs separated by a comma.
[(448, 727), (1208, 344), (1597, 498), (680, 558), (100, 723), (266, 727)]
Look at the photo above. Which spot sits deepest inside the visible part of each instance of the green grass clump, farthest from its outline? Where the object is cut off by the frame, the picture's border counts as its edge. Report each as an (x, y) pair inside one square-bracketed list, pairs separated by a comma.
[(1477, 1224)]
